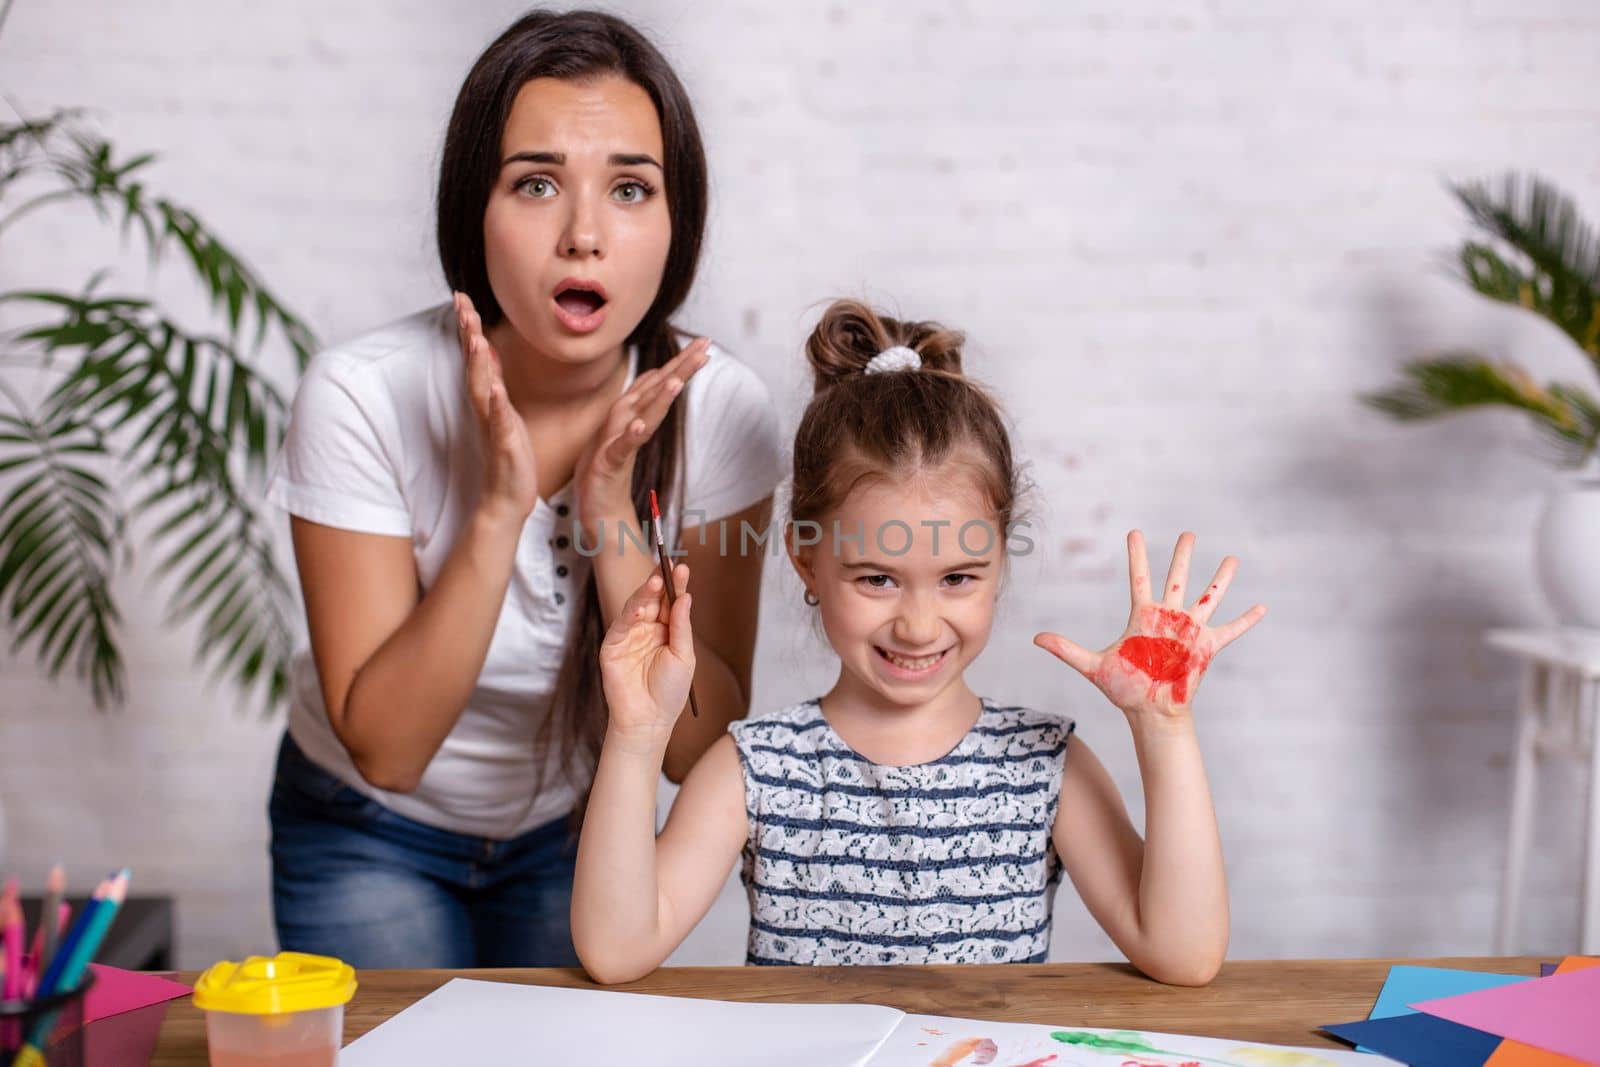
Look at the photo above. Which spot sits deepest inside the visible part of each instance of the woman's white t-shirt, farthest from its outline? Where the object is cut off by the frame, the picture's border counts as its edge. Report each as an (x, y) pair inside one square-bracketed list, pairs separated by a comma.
[(382, 439)]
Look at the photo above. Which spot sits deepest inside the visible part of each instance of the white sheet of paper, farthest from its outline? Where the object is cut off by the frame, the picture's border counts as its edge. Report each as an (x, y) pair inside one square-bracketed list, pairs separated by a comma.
[(936, 1041), (488, 1023)]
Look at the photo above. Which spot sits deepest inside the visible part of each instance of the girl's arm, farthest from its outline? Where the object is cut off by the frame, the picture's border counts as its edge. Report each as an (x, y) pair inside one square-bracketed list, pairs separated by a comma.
[(634, 897), (1164, 901)]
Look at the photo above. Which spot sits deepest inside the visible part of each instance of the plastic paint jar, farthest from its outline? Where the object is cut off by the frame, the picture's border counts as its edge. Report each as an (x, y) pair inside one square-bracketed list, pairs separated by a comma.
[(275, 1011)]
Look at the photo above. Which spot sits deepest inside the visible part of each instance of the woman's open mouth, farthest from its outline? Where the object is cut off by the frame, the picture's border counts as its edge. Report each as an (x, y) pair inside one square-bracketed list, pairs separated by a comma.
[(580, 305), (911, 668)]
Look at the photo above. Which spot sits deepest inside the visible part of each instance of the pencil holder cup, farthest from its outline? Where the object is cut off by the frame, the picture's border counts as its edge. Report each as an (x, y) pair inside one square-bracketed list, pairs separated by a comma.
[(44, 1031), (286, 1009)]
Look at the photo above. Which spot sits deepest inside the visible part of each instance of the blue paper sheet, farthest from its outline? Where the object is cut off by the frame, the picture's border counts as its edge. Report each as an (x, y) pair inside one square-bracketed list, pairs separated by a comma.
[(1407, 985), (1420, 1040)]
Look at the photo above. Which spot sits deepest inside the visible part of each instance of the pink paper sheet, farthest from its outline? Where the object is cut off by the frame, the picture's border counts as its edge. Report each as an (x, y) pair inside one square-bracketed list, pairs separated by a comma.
[(1555, 1013), (126, 1040), (116, 991)]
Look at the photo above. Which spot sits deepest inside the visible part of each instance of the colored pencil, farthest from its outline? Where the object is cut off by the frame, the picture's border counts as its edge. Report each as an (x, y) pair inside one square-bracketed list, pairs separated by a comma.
[(15, 941), (91, 928), (666, 577), (51, 978), (8, 1027), (89, 944), (50, 920)]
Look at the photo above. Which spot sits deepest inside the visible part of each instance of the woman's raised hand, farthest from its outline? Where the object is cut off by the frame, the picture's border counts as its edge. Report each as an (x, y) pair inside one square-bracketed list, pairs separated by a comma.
[(603, 480), (511, 474)]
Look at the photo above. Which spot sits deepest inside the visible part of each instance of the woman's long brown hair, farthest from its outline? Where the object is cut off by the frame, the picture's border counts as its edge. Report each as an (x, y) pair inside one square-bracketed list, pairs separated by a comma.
[(577, 45)]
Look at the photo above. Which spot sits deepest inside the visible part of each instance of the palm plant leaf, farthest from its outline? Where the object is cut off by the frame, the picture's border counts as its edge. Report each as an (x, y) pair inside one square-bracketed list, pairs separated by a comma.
[(223, 575), (113, 186), (187, 399), (188, 412), (22, 145), (87, 168), (58, 526), (1555, 270), (192, 409), (1568, 420), (1542, 256)]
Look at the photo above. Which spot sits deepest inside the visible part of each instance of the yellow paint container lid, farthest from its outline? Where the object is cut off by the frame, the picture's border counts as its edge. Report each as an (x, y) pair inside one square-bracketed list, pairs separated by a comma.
[(275, 985)]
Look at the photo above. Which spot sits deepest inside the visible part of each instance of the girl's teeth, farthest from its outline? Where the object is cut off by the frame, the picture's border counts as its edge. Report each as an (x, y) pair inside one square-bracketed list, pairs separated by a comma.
[(913, 664)]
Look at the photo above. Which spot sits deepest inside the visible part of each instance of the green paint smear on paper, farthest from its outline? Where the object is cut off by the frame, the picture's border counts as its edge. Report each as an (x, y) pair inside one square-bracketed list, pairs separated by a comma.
[(1129, 1041), (1125, 1041)]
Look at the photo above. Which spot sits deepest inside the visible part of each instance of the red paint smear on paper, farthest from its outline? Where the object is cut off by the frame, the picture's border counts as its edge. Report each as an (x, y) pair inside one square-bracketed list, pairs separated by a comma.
[(1040, 1062)]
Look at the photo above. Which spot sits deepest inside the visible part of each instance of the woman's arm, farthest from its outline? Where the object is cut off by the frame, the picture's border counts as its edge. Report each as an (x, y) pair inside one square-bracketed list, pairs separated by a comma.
[(397, 668), (728, 589), (634, 898)]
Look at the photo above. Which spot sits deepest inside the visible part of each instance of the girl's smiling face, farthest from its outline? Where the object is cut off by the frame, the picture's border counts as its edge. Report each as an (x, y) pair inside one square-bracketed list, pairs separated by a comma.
[(909, 603), (576, 231)]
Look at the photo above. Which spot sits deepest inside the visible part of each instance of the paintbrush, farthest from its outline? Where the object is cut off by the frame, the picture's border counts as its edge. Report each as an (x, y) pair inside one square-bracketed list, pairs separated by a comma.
[(666, 578)]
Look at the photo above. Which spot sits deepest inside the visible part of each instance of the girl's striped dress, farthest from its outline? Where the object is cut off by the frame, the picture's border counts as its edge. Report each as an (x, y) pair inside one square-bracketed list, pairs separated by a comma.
[(854, 862)]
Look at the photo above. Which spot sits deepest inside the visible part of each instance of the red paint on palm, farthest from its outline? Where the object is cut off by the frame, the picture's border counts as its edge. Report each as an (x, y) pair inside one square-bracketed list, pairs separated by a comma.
[(1178, 624), (1162, 660), (1167, 656)]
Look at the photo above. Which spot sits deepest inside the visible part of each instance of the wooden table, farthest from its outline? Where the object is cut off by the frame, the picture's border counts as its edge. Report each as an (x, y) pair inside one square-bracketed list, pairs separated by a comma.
[(1278, 1001)]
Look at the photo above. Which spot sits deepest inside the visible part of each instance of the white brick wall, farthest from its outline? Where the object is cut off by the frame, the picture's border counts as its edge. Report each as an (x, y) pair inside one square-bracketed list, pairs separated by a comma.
[(1180, 239)]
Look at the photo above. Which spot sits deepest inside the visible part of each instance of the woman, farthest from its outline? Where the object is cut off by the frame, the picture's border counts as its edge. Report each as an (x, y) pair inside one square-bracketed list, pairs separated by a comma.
[(449, 478)]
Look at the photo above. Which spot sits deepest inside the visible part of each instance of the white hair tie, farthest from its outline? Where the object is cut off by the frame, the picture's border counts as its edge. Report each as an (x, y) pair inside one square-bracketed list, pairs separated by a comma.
[(891, 359)]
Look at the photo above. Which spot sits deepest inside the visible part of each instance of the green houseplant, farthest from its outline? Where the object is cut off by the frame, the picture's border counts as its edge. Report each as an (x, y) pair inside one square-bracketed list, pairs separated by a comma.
[(117, 421), (1534, 250)]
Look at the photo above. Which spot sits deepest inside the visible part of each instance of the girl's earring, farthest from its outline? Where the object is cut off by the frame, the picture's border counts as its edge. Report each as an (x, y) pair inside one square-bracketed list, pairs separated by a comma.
[(811, 598)]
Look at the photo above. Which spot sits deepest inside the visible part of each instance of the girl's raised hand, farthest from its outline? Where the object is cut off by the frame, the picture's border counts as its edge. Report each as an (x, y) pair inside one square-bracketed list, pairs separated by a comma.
[(511, 474), (603, 479), (1155, 666), (647, 661)]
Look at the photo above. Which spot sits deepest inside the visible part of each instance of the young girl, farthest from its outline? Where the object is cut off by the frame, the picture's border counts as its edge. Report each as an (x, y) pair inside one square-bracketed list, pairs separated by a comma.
[(900, 817)]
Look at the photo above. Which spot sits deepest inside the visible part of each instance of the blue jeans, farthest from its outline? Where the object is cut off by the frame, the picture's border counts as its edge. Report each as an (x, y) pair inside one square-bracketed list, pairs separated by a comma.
[(352, 879)]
